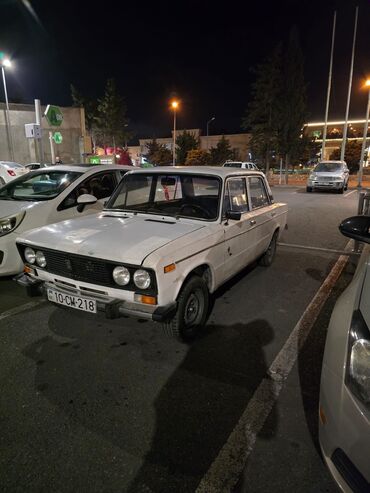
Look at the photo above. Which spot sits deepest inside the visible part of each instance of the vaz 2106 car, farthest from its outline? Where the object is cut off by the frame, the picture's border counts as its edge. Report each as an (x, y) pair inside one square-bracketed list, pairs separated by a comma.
[(166, 240)]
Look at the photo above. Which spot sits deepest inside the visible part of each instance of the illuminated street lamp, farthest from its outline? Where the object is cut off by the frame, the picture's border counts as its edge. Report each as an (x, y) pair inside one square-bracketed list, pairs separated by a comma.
[(174, 106), (5, 62), (366, 126)]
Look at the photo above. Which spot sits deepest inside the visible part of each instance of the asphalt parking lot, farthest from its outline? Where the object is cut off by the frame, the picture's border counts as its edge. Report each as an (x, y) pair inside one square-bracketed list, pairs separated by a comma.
[(94, 405)]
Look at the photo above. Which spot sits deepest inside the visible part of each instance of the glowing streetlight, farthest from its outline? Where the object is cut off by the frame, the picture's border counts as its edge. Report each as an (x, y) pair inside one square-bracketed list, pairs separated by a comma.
[(5, 62), (366, 126), (174, 106)]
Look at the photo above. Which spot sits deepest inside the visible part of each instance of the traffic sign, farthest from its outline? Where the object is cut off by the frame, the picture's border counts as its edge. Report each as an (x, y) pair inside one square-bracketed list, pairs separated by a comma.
[(94, 160), (53, 115), (58, 137)]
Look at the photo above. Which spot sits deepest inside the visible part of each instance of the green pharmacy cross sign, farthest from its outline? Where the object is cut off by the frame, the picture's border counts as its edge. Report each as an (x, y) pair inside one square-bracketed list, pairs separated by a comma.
[(57, 137), (53, 115)]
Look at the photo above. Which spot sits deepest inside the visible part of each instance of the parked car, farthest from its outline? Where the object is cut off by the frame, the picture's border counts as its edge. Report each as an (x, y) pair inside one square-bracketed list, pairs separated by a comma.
[(9, 171), (329, 175), (47, 196), (33, 166), (166, 240), (344, 424), (241, 164)]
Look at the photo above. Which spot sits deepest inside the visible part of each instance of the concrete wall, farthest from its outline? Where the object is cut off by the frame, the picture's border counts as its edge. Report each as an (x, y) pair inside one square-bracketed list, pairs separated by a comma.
[(72, 130)]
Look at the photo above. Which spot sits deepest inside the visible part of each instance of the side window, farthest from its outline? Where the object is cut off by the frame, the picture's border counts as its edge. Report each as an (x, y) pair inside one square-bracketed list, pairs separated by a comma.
[(236, 198), (257, 192), (101, 186)]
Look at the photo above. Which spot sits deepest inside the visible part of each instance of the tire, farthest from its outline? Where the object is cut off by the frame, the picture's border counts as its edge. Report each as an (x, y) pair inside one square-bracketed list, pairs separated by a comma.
[(346, 187), (192, 310), (309, 189), (269, 255), (340, 190)]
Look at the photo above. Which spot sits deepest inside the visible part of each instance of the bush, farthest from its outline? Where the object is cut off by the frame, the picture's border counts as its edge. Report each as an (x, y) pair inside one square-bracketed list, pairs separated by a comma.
[(197, 157)]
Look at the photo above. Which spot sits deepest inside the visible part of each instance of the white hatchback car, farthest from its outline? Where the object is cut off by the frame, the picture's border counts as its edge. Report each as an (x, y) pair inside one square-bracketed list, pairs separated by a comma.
[(344, 414), (241, 164), (9, 171), (49, 195), (167, 238)]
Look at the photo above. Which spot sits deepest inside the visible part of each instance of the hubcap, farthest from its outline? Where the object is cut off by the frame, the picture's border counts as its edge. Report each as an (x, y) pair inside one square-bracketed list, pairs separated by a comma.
[(191, 309)]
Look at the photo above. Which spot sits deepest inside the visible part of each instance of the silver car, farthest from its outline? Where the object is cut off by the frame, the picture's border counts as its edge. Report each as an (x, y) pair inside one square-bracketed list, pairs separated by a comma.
[(329, 175), (344, 414)]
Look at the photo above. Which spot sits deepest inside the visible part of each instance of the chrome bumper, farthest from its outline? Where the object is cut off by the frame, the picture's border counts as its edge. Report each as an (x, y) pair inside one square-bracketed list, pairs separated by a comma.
[(111, 307)]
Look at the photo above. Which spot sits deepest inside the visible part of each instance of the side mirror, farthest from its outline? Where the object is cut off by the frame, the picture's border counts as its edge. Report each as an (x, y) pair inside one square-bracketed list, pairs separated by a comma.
[(235, 216), (84, 200), (356, 227)]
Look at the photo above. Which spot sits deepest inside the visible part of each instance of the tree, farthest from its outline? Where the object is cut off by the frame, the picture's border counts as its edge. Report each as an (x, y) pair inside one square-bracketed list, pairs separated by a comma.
[(185, 142), (162, 156), (292, 101), (151, 148), (222, 152), (262, 117), (352, 155), (197, 157), (90, 107), (111, 118)]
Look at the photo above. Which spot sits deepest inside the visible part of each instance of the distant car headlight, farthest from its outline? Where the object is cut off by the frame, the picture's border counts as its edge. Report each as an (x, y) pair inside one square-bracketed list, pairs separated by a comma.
[(142, 279), (9, 224), (30, 255), (121, 275), (358, 368), (40, 259), (312, 177)]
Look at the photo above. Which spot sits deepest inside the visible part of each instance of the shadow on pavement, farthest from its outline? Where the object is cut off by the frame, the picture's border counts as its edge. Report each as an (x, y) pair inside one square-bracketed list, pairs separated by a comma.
[(170, 405)]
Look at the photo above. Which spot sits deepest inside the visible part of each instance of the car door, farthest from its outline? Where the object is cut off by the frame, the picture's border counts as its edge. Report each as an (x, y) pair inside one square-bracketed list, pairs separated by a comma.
[(100, 185), (236, 232), (262, 215)]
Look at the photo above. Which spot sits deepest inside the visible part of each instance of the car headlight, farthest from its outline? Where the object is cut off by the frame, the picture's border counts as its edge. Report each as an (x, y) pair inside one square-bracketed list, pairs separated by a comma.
[(40, 259), (312, 177), (358, 368), (30, 255), (9, 224), (142, 279), (121, 275)]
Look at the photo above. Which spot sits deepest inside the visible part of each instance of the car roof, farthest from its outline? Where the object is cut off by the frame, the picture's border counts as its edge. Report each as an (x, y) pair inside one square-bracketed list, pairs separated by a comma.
[(84, 168), (220, 171)]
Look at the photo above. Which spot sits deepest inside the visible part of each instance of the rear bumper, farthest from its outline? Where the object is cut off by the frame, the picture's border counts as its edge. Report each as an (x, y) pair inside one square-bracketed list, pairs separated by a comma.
[(111, 307)]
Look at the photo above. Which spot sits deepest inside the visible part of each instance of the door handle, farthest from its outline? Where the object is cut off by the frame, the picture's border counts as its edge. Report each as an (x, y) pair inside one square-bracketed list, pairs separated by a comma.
[(252, 222)]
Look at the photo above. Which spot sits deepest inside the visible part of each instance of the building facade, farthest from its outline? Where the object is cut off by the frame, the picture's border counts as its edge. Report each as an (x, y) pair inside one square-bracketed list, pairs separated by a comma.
[(75, 143)]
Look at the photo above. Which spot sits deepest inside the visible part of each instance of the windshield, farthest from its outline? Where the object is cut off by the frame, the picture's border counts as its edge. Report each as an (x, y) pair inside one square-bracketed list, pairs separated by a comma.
[(233, 165), (328, 167), (38, 185), (172, 194)]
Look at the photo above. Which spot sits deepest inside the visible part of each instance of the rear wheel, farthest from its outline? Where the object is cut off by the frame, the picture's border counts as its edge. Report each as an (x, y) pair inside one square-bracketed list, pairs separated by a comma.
[(269, 255), (308, 189), (192, 309)]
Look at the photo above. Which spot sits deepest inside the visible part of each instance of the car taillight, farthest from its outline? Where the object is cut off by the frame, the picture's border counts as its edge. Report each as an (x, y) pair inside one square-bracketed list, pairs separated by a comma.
[(11, 172)]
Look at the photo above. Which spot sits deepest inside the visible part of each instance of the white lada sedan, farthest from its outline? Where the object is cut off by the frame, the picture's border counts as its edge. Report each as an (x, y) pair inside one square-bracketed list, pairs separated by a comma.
[(167, 239)]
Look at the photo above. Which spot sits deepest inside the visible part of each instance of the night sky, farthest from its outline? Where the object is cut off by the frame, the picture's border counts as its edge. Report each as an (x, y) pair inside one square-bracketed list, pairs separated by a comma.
[(198, 51)]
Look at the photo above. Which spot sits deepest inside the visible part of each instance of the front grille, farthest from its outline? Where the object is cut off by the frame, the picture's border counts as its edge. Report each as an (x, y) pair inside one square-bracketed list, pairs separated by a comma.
[(79, 267), (326, 178), (350, 473)]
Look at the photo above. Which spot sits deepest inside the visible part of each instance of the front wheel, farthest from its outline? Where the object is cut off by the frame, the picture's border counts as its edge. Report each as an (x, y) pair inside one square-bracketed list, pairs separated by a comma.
[(309, 189), (192, 310), (340, 190), (269, 255)]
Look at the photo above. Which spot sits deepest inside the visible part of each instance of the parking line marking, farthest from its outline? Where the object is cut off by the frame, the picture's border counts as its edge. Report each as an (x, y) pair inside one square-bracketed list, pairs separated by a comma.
[(318, 249), (349, 193), (228, 466), (20, 309)]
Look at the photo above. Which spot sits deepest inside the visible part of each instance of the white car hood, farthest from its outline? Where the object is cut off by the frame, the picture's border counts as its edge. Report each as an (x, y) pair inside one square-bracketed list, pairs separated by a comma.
[(13, 207), (120, 238)]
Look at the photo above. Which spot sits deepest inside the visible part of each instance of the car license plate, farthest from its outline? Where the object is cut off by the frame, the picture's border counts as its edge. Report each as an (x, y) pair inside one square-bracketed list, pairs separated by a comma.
[(77, 302)]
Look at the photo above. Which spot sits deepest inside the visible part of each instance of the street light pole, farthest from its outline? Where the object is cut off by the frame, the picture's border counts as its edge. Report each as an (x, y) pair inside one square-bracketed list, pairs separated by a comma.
[(209, 121), (6, 63), (174, 105), (366, 126)]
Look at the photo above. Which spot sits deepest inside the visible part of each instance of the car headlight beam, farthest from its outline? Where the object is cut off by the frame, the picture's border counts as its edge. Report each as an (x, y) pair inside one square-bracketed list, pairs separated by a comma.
[(142, 279), (121, 275)]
